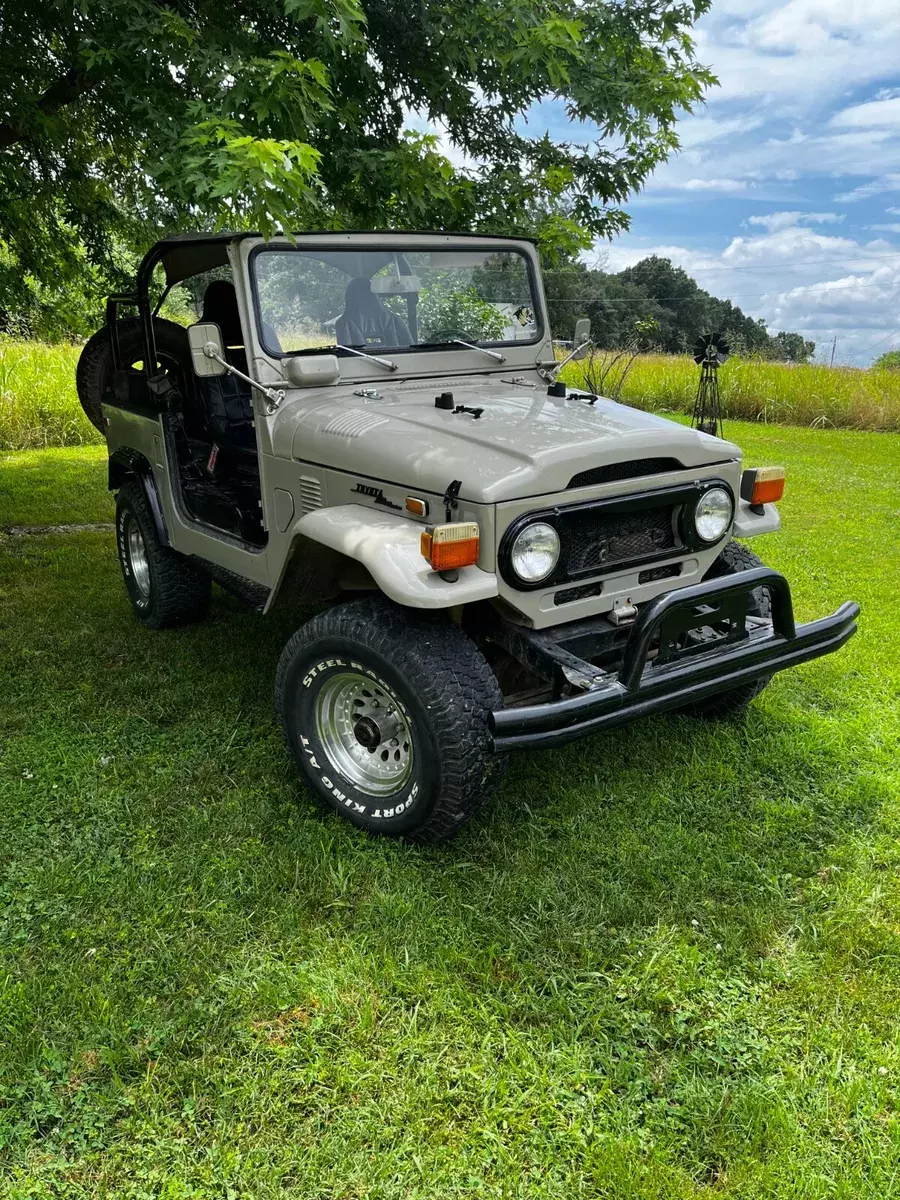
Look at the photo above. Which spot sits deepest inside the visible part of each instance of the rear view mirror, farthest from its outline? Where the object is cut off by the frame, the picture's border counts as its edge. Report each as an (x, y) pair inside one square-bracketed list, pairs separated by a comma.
[(582, 332), (206, 350)]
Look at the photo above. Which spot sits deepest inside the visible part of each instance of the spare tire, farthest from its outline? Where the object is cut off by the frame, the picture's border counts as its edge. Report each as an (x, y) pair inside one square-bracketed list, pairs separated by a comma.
[(94, 373)]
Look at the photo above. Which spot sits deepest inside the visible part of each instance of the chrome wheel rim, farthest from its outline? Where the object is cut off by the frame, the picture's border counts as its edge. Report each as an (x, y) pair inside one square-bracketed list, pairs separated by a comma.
[(137, 559), (365, 733)]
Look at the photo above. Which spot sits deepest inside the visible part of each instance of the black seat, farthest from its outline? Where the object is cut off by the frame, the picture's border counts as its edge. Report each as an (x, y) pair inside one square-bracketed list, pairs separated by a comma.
[(365, 319), (225, 399)]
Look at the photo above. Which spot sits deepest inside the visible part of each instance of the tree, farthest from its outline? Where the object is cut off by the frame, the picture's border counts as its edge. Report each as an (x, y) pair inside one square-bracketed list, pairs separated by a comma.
[(792, 347), (889, 361), (665, 302), (123, 118)]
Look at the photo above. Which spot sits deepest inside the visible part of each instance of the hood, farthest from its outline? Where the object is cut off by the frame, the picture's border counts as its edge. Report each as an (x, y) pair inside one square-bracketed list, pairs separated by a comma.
[(525, 443)]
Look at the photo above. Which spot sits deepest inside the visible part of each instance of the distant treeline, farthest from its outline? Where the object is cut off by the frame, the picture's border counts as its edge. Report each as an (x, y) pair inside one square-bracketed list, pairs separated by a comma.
[(658, 305)]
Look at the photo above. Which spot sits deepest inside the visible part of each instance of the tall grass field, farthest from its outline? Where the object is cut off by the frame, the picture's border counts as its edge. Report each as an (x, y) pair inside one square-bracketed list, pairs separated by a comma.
[(39, 406), (771, 393)]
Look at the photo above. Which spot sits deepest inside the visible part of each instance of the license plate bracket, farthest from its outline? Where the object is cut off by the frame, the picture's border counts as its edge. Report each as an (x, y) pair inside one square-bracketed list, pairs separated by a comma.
[(727, 611)]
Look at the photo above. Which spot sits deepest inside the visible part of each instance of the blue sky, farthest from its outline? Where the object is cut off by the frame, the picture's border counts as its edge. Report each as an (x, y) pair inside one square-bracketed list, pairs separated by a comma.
[(785, 196)]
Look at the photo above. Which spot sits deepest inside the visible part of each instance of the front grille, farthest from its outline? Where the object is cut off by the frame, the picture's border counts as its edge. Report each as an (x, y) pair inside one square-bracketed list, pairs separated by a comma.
[(644, 530), (632, 469), (597, 539)]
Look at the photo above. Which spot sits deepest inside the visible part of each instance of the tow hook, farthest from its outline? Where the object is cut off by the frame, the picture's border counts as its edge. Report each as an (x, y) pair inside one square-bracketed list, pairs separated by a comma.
[(623, 613)]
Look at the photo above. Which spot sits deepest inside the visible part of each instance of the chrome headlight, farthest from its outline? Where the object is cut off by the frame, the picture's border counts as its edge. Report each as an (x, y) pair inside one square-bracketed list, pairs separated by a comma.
[(535, 552), (713, 514)]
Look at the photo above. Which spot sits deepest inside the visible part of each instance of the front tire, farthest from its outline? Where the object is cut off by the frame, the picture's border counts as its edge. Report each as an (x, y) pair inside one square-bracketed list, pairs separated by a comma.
[(385, 712), (163, 586), (733, 560)]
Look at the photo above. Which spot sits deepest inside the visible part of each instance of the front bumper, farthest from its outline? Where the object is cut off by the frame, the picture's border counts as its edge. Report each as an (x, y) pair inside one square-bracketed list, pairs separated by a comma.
[(658, 673)]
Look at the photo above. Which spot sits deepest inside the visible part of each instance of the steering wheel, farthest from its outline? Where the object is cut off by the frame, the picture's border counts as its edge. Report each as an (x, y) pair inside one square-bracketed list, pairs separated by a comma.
[(451, 333)]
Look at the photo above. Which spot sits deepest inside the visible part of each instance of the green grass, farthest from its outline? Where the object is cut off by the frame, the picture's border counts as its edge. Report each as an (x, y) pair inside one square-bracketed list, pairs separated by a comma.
[(772, 393), (38, 402), (39, 406), (664, 964)]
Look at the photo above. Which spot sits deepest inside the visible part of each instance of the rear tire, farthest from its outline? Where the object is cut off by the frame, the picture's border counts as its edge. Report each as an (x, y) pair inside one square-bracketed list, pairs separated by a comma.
[(163, 586), (93, 375), (733, 560), (385, 712)]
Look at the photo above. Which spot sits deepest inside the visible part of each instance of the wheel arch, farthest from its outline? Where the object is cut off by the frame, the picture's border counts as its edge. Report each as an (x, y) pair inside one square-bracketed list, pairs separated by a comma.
[(380, 551), (127, 463)]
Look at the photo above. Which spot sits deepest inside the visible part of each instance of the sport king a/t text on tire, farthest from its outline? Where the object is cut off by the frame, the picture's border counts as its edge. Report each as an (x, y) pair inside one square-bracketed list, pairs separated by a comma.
[(385, 712)]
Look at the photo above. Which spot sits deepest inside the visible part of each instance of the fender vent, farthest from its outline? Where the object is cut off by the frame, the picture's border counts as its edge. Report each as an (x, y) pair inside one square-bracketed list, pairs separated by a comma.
[(632, 469), (310, 494)]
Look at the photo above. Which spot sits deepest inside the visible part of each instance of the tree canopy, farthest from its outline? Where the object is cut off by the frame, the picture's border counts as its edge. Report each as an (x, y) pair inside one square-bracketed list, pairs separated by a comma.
[(123, 118), (657, 291)]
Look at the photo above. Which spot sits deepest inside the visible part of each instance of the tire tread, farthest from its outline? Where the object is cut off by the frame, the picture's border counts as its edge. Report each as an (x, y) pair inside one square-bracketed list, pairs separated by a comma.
[(182, 591), (454, 682)]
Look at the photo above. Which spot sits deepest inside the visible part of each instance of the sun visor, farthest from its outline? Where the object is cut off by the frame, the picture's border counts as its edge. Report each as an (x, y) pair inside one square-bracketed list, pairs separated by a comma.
[(462, 258)]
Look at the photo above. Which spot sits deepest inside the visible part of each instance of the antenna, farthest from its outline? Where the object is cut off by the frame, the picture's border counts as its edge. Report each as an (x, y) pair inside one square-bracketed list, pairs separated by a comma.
[(710, 351)]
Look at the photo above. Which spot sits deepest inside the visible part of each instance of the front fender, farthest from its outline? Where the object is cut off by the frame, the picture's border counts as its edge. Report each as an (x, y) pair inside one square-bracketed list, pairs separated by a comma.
[(748, 524), (388, 548)]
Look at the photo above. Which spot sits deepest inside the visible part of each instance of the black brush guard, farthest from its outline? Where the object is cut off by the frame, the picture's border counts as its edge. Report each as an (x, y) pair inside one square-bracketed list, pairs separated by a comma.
[(662, 668)]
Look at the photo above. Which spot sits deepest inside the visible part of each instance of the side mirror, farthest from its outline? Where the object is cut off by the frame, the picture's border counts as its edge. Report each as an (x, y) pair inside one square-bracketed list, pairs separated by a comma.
[(582, 332), (206, 342)]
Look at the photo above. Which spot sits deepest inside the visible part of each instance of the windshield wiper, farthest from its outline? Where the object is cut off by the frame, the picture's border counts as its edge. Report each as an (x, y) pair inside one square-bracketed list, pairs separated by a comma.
[(382, 362), (495, 354)]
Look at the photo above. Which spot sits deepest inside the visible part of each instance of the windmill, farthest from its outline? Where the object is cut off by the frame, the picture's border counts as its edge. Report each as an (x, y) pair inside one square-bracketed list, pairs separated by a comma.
[(710, 351)]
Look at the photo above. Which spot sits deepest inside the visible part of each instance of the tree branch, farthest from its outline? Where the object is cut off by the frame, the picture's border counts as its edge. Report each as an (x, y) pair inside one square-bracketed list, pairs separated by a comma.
[(61, 92)]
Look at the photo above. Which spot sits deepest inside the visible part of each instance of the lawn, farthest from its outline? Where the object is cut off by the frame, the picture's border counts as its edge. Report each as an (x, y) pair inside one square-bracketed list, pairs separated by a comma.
[(666, 963)]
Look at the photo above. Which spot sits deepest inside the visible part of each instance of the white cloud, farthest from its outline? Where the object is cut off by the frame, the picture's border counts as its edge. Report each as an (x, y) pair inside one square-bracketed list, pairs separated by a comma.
[(868, 116), (895, 212), (890, 228), (797, 279), (785, 220), (712, 185), (875, 187)]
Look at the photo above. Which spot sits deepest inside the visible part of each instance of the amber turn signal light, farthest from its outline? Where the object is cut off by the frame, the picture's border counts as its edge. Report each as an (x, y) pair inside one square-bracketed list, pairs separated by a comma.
[(448, 547), (762, 485)]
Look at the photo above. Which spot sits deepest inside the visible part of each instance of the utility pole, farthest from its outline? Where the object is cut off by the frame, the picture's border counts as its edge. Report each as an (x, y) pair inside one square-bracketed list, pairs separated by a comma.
[(833, 348)]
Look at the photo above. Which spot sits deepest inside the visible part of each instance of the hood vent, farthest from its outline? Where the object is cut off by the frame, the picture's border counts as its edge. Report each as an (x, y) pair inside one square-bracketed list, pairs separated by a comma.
[(624, 470)]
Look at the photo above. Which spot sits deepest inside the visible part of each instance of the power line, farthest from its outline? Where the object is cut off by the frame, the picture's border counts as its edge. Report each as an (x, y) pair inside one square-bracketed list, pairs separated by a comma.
[(803, 262), (838, 287), (874, 346)]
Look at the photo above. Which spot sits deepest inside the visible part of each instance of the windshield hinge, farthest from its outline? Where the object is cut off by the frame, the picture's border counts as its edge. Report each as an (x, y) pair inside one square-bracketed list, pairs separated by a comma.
[(451, 499)]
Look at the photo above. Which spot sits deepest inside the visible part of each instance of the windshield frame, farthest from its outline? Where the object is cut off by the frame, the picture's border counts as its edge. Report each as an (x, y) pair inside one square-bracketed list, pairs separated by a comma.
[(412, 247)]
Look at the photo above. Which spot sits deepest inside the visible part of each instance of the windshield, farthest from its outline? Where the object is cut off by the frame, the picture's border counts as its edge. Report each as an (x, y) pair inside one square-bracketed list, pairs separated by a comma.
[(311, 300)]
